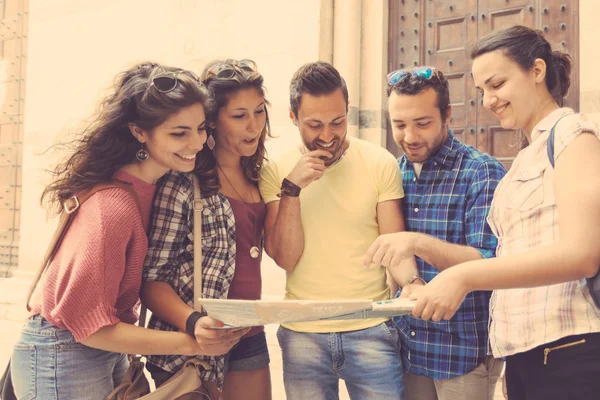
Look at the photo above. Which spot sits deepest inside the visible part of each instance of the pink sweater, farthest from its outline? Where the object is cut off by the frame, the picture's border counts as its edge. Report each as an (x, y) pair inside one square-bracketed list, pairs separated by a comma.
[(95, 277)]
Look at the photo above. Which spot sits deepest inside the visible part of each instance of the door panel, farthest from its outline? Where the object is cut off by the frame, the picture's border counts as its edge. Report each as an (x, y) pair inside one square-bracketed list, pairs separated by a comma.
[(451, 31)]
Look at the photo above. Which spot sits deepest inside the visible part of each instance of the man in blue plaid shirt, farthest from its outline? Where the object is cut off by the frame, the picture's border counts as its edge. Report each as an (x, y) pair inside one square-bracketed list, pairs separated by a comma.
[(448, 188)]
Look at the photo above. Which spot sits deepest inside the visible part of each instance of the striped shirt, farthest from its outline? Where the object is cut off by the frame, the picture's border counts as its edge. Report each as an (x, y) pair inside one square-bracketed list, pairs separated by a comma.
[(170, 256), (450, 200), (524, 216)]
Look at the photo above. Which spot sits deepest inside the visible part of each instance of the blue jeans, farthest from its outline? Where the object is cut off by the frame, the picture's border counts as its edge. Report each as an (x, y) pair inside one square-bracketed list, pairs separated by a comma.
[(368, 360), (48, 364)]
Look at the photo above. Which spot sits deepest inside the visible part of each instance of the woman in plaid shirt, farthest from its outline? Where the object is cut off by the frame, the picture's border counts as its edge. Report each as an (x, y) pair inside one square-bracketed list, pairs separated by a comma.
[(546, 216), (232, 228)]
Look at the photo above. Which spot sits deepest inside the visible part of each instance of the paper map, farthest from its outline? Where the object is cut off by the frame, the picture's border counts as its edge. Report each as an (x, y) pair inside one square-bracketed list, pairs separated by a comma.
[(239, 313)]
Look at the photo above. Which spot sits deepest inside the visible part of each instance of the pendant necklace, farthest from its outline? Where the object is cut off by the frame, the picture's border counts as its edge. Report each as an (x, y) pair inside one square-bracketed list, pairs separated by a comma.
[(254, 250)]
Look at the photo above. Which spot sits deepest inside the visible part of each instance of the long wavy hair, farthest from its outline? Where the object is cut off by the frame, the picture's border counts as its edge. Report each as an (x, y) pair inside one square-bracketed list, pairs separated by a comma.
[(222, 89), (107, 143)]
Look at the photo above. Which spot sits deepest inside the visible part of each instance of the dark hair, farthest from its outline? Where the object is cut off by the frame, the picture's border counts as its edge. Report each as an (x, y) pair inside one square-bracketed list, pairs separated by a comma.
[(412, 85), (107, 144), (222, 89), (524, 45), (316, 78)]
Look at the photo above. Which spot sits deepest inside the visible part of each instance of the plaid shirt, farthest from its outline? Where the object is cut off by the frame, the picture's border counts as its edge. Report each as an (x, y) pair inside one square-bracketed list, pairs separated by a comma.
[(170, 256), (450, 200), (524, 216)]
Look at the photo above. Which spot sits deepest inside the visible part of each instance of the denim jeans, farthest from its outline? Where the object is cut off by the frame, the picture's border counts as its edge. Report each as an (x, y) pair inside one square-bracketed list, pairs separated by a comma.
[(368, 360), (48, 364)]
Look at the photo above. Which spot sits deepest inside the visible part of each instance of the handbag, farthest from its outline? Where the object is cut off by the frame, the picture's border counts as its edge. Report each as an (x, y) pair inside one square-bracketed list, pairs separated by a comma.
[(186, 384), (7, 392), (70, 208), (593, 283)]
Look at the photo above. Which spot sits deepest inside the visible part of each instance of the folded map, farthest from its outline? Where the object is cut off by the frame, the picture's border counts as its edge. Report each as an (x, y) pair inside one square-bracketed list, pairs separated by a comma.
[(239, 313)]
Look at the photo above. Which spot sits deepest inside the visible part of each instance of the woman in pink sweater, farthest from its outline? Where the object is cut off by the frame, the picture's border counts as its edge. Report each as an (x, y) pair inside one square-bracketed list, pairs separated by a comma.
[(75, 342)]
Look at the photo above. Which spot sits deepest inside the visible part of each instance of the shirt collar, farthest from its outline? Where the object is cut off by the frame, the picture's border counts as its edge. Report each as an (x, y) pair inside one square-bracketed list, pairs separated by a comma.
[(447, 154), (548, 122)]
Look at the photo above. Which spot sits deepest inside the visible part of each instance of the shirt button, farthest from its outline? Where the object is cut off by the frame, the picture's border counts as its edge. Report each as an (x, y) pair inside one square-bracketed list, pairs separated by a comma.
[(435, 163), (413, 334), (414, 179), (416, 209)]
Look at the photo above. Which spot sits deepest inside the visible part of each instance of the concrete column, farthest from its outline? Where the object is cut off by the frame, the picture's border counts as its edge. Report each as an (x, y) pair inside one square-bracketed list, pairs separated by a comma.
[(373, 69), (326, 31), (346, 53), (589, 58)]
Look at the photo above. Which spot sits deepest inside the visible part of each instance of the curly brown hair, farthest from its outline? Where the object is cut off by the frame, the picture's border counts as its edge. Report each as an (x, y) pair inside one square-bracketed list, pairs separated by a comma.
[(222, 88), (107, 144)]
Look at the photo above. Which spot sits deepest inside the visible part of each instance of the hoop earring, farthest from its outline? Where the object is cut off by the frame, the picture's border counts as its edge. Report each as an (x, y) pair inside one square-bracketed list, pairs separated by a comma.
[(210, 142), (142, 154)]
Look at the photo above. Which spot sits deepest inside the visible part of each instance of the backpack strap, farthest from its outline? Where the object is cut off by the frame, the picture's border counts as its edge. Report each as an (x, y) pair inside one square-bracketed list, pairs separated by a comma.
[(70, 208)]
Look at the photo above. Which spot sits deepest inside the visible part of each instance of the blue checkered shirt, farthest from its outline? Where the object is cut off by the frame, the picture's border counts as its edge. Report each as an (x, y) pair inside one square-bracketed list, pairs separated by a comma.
[(450, 200)]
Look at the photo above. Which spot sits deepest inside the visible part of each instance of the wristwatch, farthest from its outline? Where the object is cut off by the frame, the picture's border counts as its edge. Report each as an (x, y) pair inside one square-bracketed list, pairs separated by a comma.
[(190, 324), (416, 278), (289, 188)]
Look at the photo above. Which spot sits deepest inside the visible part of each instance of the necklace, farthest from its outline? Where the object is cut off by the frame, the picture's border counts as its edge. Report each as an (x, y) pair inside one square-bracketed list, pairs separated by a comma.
[(254, 250)]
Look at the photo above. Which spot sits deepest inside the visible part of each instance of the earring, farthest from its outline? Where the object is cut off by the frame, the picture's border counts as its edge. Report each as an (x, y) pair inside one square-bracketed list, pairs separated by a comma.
[(142, 154), (210, 142)]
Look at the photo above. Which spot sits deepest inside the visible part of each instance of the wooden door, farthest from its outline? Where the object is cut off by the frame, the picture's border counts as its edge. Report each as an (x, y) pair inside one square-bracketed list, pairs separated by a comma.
[(446, 30), (558, 19)]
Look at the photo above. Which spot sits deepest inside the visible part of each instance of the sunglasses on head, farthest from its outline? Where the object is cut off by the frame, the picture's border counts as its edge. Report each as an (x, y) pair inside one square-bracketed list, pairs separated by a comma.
[(167, 81), (420, 72), (228, 70)]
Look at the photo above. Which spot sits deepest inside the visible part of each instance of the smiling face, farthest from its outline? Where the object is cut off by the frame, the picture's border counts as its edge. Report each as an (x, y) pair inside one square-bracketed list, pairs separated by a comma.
[(323, 124), (175, 143), (241, 122), (417, 124), (509, 92)]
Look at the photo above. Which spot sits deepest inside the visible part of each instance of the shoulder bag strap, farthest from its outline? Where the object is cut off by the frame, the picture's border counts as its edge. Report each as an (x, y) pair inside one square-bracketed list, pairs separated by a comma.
[(70, 208), (197, 244), (550, 143)]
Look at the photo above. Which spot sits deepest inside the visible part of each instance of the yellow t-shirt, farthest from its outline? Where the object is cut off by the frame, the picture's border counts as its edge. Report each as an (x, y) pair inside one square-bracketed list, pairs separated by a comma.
[(340, 223)]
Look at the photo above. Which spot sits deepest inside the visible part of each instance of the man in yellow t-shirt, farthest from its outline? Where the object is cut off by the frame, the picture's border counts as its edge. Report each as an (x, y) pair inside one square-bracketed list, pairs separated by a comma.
[(326, 203)]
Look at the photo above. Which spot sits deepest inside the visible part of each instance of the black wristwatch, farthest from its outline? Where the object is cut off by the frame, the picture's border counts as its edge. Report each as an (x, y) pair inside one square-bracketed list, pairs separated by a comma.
[(289, 188), (190, 324)]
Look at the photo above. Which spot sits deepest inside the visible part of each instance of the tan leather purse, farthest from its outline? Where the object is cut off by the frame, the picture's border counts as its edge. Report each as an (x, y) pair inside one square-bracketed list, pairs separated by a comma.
[(186, 383)]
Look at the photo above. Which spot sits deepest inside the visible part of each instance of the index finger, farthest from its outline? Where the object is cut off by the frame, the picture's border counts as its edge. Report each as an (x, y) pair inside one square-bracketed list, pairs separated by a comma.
[(418, 308), (207, 322), (319, 153), (371, 252)]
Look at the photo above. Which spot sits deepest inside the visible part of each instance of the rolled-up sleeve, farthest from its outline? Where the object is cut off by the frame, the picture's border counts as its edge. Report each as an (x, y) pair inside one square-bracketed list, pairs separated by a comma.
[(168, 229), (479, 199)]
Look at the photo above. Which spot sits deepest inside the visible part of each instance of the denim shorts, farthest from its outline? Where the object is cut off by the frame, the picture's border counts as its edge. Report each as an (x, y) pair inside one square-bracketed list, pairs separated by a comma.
[(47, 363), (249, 354)]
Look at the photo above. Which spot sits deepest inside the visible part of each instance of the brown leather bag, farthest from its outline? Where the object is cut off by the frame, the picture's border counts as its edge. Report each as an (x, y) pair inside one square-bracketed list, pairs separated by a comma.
[(186, 384)]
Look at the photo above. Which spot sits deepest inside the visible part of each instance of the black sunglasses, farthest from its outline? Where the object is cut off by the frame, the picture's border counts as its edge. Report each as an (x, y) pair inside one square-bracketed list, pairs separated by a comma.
[(167, 81), (227, 70)]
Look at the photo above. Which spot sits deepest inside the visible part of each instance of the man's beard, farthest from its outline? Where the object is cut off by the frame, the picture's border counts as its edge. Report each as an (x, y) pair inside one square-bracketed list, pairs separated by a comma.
[(336, 150)]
